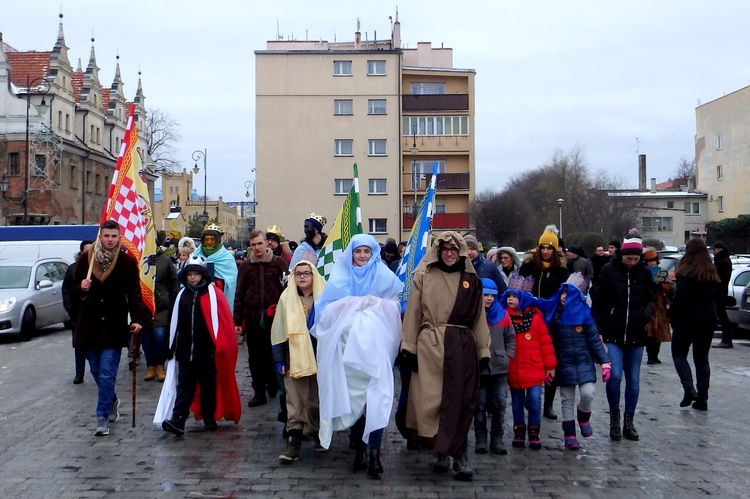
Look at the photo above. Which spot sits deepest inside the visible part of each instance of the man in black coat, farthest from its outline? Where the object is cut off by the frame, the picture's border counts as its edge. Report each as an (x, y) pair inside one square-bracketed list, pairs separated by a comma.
[(724, 268)]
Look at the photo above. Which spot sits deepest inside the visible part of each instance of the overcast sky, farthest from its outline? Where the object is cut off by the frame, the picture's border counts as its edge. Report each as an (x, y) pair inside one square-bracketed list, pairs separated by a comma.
[(550, 74)]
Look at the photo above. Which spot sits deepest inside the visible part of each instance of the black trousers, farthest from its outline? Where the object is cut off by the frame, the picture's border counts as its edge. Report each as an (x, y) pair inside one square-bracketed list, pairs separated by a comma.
[(260, 359), (683, 337), (727, 328), (191, 374)]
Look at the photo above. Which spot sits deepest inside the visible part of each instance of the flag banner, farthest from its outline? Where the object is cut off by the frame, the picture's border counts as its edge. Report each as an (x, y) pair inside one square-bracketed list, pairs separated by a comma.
[(348, 222), (128, 203), (418, 242)]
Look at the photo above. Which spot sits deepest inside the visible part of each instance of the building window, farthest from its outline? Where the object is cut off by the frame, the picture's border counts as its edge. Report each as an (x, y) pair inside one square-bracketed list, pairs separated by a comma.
[(343, 147), (427, 88), (692, 208), (377, 186), (97, 183), (171, 189), (98, 136), (342, 68), (375, 68), (435, 125), (378, 226), (440, 205), (376, 106), (67, 122), (342, 107), (342, 186), (14, 165), (657, 224), (420, 169), (718, 142), (177, 190), (73, 177), (173, 203), (721, 203), (59, 120), (106, 183), (376, 147), (719, 173), (670, 205), (40, 165)]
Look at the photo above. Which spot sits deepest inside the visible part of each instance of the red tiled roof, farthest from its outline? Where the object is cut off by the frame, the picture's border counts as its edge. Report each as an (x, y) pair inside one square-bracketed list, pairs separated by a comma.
[(76, 81), (28, 64), (672, 184)]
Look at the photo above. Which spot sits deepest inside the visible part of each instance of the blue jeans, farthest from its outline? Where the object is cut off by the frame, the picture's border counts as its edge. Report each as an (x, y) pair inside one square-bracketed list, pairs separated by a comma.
[(532, 397), (155, 345), (104, 365), (625, 359)]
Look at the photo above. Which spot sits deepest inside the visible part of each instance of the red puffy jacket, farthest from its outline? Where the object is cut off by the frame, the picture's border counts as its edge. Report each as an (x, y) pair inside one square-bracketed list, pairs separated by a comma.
[(535, 354)]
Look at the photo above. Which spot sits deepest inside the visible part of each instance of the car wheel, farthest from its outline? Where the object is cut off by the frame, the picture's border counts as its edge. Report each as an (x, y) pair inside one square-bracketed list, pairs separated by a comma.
[(28, 325)]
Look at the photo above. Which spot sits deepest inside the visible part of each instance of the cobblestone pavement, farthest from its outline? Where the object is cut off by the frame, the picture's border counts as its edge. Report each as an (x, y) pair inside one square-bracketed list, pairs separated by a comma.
[(48, 447)]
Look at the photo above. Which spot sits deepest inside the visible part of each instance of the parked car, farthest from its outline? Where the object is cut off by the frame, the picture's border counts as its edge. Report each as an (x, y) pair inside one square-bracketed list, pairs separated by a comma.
[(669, 262), (737, 284), (31, 295), (743, 313)]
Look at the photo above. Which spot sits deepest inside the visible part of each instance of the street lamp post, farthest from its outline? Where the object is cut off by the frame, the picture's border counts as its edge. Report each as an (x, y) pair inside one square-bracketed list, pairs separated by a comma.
[(248, 185), (560, 206), (197, 155), (414, 150), (42, 108)]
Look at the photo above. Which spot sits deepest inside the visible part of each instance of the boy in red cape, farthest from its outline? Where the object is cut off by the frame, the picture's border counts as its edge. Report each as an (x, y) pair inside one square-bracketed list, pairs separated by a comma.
[(203, 343)]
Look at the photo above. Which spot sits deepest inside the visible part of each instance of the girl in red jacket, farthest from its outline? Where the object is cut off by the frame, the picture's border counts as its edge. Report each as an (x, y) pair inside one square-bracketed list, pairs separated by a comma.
[(534, 362)]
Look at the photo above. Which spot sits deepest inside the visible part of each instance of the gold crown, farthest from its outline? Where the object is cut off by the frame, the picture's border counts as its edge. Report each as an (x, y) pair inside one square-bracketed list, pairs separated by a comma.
[(275, 230), (320, 218), (213, 227)]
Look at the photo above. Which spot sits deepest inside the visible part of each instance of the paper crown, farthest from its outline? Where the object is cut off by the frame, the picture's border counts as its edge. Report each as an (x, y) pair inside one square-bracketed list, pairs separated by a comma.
[(320, 218), (577, 280), (274, 229), (520, 283), (212, 227)]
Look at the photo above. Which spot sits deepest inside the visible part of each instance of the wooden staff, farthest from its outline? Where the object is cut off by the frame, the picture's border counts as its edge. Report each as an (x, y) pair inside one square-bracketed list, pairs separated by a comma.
[(135, 363), (92, 251)]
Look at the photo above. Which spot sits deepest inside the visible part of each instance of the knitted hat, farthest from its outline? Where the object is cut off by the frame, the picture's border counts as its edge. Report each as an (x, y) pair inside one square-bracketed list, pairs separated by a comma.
[(472, 242), (632, 244), (488, 286), (317, 221), (549, 236), (650, 253)]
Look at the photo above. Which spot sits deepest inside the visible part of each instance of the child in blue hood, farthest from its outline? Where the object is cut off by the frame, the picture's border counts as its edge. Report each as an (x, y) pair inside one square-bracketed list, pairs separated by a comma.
[(494, 378), (577, 346)]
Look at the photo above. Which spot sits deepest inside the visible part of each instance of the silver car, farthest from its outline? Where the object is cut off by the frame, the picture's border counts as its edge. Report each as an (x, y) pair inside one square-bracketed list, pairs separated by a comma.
[(31, 295), (743, 314)]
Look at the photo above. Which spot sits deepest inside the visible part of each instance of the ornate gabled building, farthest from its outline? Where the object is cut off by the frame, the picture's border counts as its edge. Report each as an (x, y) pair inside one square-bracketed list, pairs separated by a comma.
[(60, 135)]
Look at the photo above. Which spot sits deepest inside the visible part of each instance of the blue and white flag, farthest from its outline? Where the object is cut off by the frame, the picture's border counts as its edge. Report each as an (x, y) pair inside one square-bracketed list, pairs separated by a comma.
[(418, 240)]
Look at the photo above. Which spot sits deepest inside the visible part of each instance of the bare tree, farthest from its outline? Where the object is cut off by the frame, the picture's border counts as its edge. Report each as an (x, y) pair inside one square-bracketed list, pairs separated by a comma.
[(162, 132), (686, 168)]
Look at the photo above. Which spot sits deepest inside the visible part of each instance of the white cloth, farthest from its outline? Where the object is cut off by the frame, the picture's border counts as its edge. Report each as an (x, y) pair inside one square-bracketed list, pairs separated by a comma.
[(165, 406), (358, 340)]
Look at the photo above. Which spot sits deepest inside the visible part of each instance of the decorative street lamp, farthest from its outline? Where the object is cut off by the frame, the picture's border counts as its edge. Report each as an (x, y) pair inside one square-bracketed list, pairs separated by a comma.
[(560, 205), (197, 155), (40, 87), (248, 185)]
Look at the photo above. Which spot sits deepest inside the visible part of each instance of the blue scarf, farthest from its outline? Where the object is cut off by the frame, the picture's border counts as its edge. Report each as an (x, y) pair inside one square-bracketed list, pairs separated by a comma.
[(575, 311)]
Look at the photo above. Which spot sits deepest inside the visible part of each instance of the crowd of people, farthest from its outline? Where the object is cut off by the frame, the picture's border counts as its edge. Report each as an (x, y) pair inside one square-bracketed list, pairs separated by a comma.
[(474, 328)]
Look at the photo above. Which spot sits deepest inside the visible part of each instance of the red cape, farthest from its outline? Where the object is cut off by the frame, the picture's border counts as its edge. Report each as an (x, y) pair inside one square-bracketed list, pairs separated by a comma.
[(228, 405)]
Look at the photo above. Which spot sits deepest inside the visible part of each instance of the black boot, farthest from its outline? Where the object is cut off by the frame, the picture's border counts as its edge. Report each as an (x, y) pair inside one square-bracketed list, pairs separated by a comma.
[(175, 426), (374, 468), (628, 430), (549, 399), (614, 426), (360, 457)]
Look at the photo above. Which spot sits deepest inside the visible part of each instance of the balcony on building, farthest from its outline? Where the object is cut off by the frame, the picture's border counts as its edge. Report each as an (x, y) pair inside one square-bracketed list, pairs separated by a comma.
[(445, 183), (440, 221), (435, 102)]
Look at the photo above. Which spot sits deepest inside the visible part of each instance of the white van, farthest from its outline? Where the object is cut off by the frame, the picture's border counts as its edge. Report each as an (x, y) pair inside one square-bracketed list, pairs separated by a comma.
[(65, 250)]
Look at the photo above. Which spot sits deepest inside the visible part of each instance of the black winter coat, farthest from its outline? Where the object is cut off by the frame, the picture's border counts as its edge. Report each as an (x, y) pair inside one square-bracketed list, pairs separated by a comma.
[(694, 304), (546, 281), (622, 302), (724, 268)]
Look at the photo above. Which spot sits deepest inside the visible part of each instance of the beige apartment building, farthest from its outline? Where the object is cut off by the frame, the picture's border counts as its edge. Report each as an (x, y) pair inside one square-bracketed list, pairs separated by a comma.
[(721, 143), (321, 107)]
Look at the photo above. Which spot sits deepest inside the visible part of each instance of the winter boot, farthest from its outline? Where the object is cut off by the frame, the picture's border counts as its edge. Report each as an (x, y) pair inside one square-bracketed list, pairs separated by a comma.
[(496, 444), (583, 422), (175, 426), (534, 441), (151, 374), (519, 436), (549, 399), (360, 457), (480, 447), (443, 463), (462, 468), (160, 374), (374, 468), (628, 430), (291, 453), (569, 429), (614, 426)]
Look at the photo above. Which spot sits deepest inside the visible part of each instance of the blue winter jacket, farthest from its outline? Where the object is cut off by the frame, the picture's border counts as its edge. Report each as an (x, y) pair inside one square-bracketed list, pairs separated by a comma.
[(577, 349)]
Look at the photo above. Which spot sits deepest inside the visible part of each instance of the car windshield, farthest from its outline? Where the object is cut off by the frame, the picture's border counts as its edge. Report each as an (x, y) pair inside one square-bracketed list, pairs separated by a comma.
[(14, 277)]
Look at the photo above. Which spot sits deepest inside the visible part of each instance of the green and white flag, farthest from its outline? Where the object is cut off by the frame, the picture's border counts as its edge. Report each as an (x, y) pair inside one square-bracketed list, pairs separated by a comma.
[(348, 222)]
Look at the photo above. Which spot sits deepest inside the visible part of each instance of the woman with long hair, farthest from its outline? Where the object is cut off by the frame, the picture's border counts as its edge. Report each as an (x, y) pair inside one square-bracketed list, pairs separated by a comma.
[(693, 316)]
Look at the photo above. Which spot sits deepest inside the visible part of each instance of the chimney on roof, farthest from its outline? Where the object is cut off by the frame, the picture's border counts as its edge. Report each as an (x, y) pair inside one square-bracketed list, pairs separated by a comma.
[(691, 186), (642, 172), (396, 34), (357, 40), (653, 184)]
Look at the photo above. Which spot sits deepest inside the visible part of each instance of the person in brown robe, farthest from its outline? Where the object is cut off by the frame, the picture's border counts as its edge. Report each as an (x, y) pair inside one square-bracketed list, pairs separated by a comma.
[(445, 339)]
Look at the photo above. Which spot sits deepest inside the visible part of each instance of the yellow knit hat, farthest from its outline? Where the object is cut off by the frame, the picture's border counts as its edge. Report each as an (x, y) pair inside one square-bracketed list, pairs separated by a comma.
[(549, 236)]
